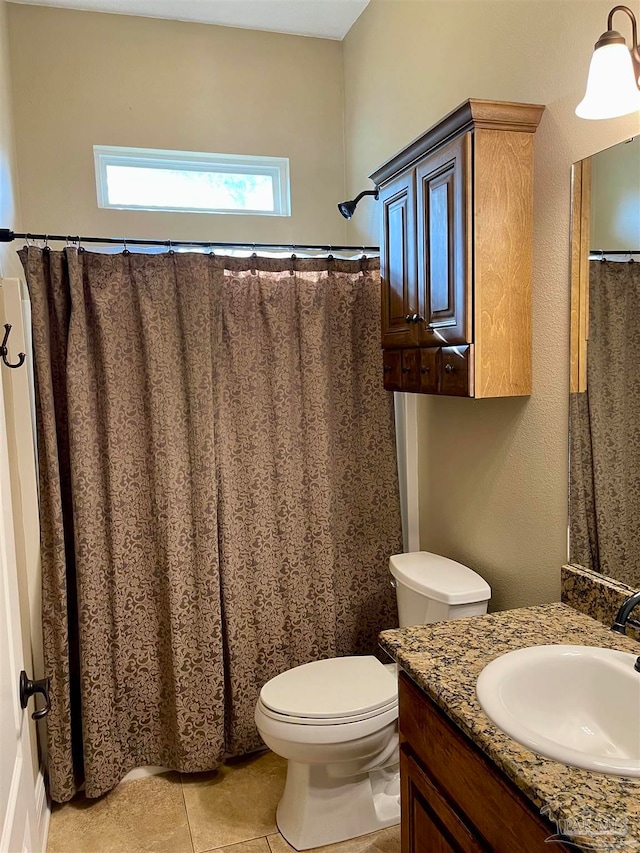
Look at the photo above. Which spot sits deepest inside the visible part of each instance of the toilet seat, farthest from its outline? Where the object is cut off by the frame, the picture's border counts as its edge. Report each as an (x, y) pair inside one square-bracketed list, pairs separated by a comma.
[(331, 692)]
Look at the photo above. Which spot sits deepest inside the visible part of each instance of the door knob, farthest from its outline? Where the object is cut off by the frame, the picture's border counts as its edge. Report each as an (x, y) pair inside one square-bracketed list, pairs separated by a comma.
[(29, 688)]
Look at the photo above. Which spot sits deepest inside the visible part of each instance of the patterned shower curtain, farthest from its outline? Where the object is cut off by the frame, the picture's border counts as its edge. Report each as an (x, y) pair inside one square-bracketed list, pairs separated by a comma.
[(605, 429), (218, 495)]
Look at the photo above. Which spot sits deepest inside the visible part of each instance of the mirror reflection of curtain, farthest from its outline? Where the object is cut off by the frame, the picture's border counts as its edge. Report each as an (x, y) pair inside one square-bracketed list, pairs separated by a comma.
[(219, 495), (604, 515)]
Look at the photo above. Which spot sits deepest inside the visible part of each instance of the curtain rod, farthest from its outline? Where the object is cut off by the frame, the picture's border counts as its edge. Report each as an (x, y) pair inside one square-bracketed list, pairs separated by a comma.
[(8, 236), (614, 251)]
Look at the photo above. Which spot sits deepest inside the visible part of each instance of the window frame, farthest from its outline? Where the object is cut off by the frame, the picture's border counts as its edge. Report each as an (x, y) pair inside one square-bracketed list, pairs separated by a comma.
[(276, 167)]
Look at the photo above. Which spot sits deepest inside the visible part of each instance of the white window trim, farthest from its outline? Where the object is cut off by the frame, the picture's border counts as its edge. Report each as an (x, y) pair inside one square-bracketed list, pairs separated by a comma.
[(151, 158)]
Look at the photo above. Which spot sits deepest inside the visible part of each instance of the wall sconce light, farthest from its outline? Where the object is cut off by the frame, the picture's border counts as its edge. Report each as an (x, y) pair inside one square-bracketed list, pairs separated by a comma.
[(347, 208), (614, 74)]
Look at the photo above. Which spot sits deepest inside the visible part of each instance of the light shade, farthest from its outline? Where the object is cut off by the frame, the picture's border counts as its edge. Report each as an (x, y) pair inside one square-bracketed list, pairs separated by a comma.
[(612, 88)]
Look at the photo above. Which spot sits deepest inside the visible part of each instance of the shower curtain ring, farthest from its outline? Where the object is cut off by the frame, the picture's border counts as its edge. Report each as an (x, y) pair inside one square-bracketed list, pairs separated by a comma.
[(4, 352)]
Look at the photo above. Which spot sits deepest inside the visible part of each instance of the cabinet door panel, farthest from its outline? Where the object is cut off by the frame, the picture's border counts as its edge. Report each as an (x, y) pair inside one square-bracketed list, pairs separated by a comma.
[(443, 241), (430, 824), (398, 261)]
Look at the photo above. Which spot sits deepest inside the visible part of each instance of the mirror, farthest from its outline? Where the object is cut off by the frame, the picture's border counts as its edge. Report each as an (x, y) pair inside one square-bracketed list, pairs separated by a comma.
[(604, 406)]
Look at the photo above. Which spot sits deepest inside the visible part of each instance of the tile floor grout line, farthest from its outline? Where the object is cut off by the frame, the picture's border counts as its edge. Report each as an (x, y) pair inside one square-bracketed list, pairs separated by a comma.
[(236, 843), (186, 811)]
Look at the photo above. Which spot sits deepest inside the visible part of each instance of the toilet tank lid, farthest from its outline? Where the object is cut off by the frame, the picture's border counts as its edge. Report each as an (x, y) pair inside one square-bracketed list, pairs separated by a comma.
[(439, 578)]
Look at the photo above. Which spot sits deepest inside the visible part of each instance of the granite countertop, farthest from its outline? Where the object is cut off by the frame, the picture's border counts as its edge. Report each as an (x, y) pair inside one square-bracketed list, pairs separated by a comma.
[(444, 659)]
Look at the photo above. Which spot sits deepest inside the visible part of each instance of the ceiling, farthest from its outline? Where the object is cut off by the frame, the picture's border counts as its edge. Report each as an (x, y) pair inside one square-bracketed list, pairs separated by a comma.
[(330, 19)]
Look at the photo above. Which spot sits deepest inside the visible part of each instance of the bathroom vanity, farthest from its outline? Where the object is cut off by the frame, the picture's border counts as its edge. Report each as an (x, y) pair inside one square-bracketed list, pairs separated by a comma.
[(467, 786)]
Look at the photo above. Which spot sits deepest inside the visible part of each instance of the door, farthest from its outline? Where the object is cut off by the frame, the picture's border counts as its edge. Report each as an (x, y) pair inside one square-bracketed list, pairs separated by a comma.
[(18, 816), (398, 262), (443, 182)]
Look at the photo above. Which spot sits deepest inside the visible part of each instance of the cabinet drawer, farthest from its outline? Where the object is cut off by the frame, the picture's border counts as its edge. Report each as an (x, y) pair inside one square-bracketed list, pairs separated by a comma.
[(411, 369), (401, 369), (456, 371), (487, 801), (429, 369), (392, 369)]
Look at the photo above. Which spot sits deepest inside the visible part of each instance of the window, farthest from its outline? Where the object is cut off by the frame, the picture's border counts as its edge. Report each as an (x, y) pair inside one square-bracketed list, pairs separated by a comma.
[(149, 179)]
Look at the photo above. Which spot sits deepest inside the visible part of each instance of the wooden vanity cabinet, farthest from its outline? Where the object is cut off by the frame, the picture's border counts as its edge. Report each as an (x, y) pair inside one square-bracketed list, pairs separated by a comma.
[(453, 799), (455, 248)]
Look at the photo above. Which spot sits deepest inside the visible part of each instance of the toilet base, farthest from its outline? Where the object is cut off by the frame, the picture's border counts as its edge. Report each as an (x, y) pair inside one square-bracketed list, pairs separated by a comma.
[(318, 808)]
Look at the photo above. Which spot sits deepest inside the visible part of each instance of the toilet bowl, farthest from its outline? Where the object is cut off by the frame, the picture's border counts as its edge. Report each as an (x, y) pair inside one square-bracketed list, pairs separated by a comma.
[(335, 721)]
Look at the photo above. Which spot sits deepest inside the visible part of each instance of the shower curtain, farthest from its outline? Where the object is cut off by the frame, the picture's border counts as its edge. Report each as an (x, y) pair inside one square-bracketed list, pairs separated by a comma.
[(218, 494), (605, 429)]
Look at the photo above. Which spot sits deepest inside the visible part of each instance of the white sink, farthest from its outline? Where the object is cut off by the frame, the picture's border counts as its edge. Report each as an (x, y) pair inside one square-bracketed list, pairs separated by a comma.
[(576, 704)]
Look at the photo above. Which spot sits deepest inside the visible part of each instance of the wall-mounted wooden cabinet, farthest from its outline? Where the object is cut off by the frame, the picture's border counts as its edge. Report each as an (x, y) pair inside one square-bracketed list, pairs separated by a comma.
[(455, 254)]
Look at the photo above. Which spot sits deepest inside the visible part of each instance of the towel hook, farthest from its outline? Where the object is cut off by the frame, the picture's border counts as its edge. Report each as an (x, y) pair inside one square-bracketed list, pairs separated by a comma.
[(4, 352)]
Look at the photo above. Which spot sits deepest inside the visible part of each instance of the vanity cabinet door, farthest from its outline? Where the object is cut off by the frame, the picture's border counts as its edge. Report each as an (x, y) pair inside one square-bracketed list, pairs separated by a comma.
[(447, 781), (429, 823), (398, 262), (443, 188)]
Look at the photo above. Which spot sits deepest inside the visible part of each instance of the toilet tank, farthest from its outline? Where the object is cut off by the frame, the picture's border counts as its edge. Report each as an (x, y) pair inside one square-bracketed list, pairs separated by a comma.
[(430, 588)]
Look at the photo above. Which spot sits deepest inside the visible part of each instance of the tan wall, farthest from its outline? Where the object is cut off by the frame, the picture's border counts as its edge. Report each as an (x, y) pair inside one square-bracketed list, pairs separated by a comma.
[(615, 198), (82, 78), (9, 214), (493, 474)]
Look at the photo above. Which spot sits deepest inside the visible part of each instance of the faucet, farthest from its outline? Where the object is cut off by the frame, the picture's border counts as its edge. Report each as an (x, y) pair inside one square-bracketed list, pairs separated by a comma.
[(622, 617)]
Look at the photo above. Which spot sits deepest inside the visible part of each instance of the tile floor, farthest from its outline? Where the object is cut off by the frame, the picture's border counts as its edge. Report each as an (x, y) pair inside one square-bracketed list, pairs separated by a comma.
[(231, 810)]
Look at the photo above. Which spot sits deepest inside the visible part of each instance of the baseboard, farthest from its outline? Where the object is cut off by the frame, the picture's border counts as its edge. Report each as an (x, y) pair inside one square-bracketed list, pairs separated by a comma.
[(43, 811)]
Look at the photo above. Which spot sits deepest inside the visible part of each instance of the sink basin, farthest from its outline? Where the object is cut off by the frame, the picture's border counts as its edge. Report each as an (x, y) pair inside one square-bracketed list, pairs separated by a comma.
[(576, 704)]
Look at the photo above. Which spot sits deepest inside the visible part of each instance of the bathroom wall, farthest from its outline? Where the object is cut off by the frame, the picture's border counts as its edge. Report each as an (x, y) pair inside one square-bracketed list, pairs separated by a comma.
[(492, 473), (85, 78)]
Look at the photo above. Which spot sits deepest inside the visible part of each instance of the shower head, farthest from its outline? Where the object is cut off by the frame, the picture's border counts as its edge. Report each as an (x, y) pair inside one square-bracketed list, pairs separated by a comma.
[(347, 208)]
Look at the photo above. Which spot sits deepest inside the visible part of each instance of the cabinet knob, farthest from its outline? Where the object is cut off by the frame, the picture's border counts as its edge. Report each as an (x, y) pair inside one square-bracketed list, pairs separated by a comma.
[(448, 368), (418, 318), (386, 369), (405, 369), (409, 318), (424, 370)]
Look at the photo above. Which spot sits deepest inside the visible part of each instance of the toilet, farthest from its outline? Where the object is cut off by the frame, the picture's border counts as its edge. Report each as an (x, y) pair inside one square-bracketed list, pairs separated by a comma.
[(335, 721)]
